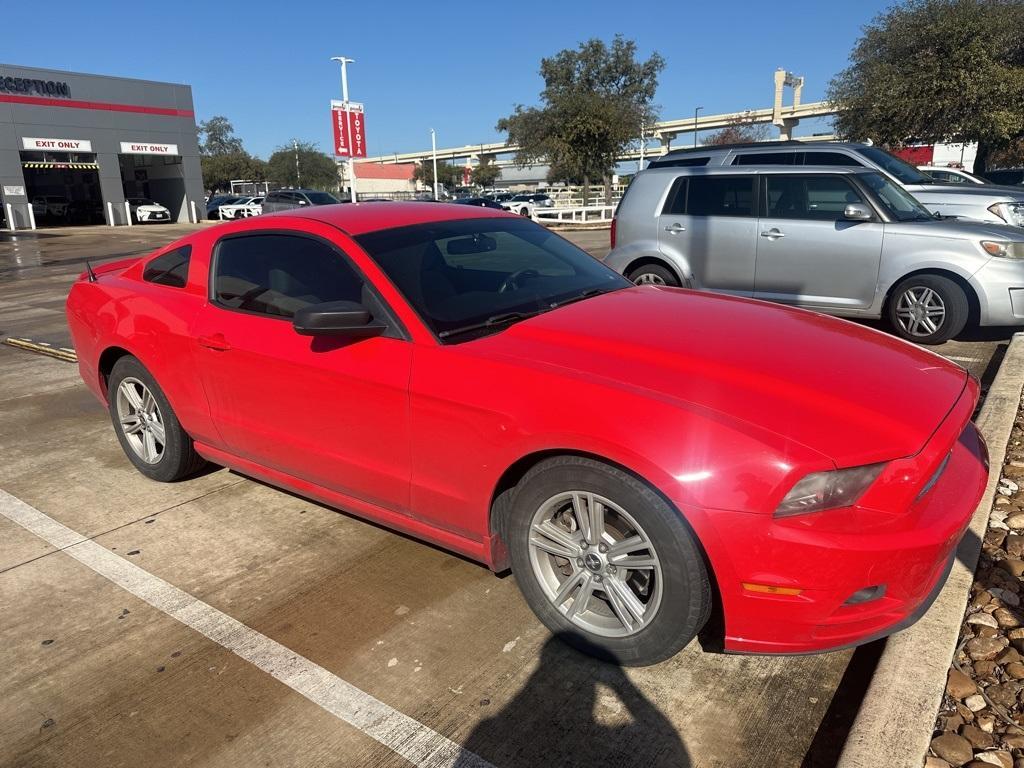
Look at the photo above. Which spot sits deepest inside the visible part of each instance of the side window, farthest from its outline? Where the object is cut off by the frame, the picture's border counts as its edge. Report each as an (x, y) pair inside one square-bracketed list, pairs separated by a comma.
[(830, 158), (720, 196), (169, 268), (675, 203), (276, 274), (765, 158), (820, 198), (681, 162)]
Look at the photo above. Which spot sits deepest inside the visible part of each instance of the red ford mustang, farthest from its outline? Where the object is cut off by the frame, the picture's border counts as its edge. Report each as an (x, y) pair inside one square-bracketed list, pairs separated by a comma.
[(635, 454)]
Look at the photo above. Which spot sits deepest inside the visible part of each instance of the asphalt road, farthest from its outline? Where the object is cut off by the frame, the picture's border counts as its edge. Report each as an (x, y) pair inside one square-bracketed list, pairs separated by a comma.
[(219, 621)]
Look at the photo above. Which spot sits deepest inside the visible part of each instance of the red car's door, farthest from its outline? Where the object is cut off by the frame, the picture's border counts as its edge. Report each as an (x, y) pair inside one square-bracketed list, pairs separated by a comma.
[(329, 410)]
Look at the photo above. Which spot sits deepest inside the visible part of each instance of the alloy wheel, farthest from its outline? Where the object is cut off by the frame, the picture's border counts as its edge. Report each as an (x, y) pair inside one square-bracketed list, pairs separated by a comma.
[(140, 419), (595, 564), (649, 278), (920, 311)]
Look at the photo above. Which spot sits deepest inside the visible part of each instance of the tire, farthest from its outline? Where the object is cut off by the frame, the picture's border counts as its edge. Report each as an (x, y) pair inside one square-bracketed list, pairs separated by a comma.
[(524, 211), (654, 274), (671, 580), (176, 457), (927, 309)]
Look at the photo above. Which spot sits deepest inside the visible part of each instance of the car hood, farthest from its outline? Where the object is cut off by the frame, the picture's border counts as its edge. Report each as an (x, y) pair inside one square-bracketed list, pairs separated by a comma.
[(957, 229), (848, 392), (960, 191)]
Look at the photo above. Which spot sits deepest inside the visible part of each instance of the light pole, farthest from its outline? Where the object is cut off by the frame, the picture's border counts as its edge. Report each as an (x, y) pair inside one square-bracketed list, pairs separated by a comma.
[(344, 98), (298, 176), (695, 112), (433, 150)]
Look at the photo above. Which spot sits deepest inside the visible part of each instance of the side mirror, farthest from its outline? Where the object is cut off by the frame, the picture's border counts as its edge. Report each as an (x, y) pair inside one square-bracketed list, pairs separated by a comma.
[(337, 318), (303, 202), (857, 212)]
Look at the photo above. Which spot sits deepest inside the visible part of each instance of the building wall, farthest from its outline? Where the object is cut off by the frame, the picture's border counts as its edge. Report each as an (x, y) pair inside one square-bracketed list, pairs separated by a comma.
[(103, 110)]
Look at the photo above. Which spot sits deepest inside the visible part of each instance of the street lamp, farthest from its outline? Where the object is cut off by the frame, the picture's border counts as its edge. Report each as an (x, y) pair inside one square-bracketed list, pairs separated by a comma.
[(298, 176), (433, 149), (695, 113), (344, 98)]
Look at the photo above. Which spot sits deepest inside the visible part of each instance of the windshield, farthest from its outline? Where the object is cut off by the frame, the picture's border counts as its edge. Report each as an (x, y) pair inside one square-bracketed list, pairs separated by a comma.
[(903, 172), (321, 198), (898, 203), (459, 275)]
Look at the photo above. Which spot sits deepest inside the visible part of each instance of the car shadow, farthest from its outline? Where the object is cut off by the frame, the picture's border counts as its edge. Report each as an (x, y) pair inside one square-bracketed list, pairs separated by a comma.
[(575, 710)]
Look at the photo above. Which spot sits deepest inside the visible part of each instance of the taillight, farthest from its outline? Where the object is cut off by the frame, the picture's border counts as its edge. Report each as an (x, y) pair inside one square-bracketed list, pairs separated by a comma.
[(614, 222)]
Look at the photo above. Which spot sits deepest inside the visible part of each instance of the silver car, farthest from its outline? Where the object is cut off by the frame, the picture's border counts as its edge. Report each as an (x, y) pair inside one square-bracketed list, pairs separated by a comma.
[(844, 241), (1000, 205)]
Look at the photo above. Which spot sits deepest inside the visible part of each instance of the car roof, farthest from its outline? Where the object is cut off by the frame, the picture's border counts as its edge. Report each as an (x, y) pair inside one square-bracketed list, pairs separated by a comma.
[(360, 218), (788, 144), (733, 170)]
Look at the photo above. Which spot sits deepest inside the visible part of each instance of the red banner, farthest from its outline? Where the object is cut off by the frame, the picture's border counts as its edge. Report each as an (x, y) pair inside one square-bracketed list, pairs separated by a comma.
[(349, 123)]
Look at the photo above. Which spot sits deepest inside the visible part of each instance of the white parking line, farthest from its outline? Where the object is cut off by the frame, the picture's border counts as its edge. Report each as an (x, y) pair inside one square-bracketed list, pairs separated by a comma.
[(402, 734), (957, 359)]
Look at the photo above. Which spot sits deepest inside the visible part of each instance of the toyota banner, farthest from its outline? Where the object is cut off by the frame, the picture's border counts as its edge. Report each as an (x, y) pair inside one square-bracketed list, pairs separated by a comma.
[(349, 129)]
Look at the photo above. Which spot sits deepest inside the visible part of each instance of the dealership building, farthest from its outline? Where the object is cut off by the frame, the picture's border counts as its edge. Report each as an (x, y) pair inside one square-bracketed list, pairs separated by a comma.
[(74, 148)]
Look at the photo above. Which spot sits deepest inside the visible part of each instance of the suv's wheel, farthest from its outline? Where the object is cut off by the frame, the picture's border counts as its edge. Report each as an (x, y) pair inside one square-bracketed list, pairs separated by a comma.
[(928, 309), (653, 274), (605, 562), (146, 427)]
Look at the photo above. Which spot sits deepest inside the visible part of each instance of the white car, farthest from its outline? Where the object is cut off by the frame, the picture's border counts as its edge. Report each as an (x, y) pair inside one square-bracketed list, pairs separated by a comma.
[(525, 204), (951, 175), (242, 209), (145, 211)]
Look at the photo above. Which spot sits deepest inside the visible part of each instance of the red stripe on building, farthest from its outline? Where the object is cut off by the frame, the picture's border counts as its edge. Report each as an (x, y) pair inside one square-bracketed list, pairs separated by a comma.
[(41, 101)]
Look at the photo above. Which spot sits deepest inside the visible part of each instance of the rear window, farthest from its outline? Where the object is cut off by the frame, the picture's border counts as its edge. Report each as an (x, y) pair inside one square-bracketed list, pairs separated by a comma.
[(169, 268), (830, 158), (680, 162), (720, 196)]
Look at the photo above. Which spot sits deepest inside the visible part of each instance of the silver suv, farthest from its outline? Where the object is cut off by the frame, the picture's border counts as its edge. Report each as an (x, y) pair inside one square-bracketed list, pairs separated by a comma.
[(289, 199), (984, 202), (844, 241)]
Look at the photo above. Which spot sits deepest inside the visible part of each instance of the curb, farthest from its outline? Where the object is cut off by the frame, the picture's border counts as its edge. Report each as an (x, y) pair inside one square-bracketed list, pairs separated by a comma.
[(897, 716)]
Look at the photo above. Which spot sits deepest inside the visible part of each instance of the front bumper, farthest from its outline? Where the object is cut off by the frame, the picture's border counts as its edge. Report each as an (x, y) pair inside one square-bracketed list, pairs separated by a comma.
[(1000, 289), (896, 544)]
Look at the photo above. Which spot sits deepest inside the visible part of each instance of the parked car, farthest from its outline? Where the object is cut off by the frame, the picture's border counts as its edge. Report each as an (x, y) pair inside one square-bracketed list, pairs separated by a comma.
[(525, 204), (289, 199), (214, 203), (635, 454), (845, 241), (501, 197), (1001, 205), (483, 202), (84, 212), (146, 211), (49, 206), (951, 175), (242, 208), (1012, 177)]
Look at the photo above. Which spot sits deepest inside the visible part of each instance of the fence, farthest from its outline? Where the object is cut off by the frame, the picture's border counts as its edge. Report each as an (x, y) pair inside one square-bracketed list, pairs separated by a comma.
[(589, 214)]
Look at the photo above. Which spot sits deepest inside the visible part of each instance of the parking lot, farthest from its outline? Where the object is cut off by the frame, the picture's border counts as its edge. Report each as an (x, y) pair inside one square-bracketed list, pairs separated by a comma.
[(255, 627)]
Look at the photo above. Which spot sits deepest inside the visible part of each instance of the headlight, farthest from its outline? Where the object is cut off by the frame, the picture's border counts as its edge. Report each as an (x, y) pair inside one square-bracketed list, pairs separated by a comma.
[(1011, 213), (828, 490), (1005, 249)]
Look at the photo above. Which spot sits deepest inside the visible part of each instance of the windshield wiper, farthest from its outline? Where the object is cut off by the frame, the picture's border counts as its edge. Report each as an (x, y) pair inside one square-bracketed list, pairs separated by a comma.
[(490, 322), (585, 295)]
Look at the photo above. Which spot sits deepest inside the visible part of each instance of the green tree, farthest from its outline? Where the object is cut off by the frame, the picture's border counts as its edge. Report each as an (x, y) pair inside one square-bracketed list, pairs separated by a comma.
[(314, 170), (448, 174), (938, 71), (486, 173), (217, 137), (595, 100), (740, 132), (220, 170)]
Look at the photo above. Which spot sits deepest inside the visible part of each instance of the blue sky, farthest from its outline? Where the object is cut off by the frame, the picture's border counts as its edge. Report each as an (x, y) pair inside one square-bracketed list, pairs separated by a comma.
[(456, 67)]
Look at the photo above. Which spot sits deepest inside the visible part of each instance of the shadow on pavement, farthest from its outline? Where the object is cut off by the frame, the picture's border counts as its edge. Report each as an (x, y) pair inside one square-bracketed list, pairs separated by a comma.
[(577, 711)]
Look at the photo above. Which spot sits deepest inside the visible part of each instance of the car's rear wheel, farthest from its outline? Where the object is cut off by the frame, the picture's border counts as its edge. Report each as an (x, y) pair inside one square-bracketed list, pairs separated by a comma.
[(146, 425), (928, 309), (605, 562), (653, 274)]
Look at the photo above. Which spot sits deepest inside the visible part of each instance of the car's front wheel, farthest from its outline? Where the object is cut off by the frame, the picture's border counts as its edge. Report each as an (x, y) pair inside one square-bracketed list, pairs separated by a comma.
[(605, 562), (653, 274), (928, 309), (146, 425)]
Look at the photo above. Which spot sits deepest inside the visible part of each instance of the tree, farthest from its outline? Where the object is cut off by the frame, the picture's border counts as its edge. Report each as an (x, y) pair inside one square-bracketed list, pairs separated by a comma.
[(219, 170), (740, 132), (595, 100), (448, 174), (217, 137), (315, 169), (486, 173), (937, 71)]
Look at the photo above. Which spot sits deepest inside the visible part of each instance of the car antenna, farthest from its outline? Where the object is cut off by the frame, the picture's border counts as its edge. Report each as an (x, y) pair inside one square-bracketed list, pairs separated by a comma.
[(88, 268)]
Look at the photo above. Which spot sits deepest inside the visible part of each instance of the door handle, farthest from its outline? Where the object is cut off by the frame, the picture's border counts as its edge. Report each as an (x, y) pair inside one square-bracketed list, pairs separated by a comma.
[(675, 229), (216, 342), (772, 234)]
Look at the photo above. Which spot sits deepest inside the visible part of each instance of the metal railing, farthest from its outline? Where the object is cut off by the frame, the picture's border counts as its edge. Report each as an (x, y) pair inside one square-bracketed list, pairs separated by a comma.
[(589, 214)]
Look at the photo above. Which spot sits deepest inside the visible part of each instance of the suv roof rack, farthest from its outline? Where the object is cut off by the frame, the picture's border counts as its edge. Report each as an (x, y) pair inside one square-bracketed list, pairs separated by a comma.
[(740, 145)]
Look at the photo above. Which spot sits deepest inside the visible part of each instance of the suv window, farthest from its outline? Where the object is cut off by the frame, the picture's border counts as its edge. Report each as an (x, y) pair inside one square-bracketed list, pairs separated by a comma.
[(820, 198), (720, 196), (680, 162), (765, 158), (169, 268), (281, 274), (830, 158)]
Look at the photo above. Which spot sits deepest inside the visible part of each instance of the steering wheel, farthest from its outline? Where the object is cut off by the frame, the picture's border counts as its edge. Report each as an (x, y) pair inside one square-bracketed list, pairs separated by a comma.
[(511, 283)]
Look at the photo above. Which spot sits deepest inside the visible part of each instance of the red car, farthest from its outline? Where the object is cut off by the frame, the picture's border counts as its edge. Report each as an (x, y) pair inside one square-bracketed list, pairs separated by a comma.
[(636, 454)]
